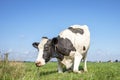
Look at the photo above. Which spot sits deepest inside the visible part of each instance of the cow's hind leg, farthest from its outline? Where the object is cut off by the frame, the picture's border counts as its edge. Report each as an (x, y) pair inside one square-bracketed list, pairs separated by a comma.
[(77, 60), (85, 64)]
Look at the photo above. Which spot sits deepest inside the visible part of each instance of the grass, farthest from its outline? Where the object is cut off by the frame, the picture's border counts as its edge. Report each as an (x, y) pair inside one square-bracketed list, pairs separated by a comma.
[(28, 71), (11, 70)]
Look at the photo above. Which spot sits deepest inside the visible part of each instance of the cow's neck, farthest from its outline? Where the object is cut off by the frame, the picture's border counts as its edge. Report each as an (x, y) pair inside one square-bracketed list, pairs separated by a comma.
[(57, 54)]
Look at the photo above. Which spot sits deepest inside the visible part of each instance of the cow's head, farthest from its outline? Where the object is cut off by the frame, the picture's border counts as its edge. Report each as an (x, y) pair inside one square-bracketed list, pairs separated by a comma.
[(46, 49)]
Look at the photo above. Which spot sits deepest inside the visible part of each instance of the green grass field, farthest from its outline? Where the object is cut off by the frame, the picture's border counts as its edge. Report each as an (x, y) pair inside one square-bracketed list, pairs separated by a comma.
[(28, 71)]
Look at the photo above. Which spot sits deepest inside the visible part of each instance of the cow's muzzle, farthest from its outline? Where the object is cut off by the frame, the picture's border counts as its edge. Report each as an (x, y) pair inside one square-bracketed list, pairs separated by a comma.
[(38, 64)]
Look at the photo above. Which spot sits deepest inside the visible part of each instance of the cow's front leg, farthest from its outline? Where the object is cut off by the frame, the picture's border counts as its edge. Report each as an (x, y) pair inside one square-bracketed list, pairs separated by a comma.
[(77, 60), (60, 67)]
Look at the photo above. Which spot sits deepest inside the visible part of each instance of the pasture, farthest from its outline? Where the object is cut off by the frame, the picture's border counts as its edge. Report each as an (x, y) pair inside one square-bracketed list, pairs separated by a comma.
[(28, 71)]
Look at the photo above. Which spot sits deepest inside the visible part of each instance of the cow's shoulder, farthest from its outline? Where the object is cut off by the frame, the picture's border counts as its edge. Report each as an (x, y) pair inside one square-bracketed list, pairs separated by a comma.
[(65, 46)]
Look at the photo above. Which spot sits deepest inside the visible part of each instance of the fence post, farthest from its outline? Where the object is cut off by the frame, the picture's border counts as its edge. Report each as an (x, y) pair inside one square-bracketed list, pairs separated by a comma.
[(6, 57)]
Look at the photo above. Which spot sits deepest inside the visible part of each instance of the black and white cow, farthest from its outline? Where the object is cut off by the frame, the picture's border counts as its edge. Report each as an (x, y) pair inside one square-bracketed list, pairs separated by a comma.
[(69, 47)]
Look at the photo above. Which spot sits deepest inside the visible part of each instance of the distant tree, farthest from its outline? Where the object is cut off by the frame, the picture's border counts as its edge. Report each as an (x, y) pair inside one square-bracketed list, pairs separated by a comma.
[(110, 61), (116, 60)]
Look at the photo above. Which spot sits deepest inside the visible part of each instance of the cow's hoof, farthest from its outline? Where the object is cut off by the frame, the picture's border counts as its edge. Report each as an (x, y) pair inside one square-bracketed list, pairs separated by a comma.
[(85, 71), (77, 72), (60, 72)]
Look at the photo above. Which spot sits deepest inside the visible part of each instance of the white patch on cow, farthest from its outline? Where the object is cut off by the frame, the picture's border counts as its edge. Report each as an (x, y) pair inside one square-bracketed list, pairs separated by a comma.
[(67, 61), (40, 58), (72, 53), (41, 48)]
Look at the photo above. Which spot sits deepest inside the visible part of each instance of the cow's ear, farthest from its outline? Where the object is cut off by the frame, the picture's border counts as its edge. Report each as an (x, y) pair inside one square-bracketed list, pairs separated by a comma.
[(54, 40), (35, 44)]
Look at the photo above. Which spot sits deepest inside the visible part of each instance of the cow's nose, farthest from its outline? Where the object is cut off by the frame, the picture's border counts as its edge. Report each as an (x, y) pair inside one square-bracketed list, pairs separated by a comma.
[(38, 64)]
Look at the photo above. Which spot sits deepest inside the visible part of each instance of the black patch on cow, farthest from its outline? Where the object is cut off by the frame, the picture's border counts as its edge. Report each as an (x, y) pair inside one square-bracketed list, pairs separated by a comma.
[(57, 47), (76, 30), (45, 37), (47, 53), (35, 44), (84, 48), (58, 55), (64, 46)]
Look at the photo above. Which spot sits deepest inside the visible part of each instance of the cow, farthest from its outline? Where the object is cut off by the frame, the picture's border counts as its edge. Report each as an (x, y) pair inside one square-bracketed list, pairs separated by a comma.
[(70, 47)]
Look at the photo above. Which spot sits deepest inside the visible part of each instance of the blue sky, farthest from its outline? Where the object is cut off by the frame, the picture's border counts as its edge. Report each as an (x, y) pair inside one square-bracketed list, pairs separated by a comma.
[(24, 21)]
